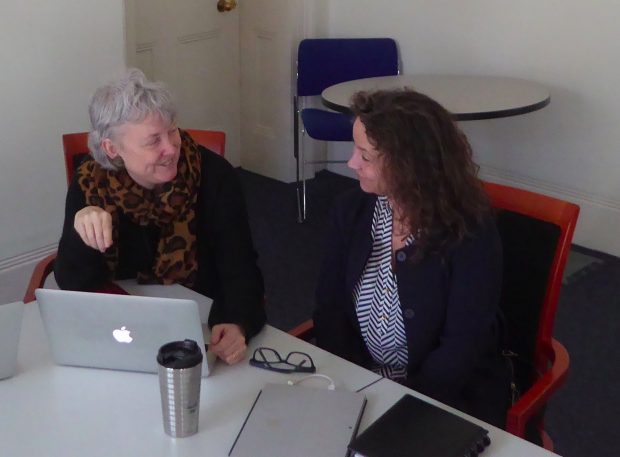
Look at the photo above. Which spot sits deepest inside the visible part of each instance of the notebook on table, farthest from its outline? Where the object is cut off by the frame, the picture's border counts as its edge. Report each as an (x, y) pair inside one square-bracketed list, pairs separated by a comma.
[(413, 427), (118, 332), (299, 421)]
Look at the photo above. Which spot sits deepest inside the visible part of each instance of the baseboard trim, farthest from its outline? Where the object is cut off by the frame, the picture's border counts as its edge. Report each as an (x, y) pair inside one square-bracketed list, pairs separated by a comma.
[(27, 257), (500, 176), (598, 213)]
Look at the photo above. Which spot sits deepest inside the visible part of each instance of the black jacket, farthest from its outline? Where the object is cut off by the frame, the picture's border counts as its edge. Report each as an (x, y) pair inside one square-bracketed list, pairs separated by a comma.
[(450, 306), (227, 270)]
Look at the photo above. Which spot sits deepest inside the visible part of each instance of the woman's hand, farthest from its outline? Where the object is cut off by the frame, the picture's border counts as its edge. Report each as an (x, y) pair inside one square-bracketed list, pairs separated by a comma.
[(94, 225), (228, 343)]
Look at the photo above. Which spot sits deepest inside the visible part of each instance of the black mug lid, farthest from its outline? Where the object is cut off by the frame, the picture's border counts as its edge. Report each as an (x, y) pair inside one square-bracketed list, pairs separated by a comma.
[(179, 354)]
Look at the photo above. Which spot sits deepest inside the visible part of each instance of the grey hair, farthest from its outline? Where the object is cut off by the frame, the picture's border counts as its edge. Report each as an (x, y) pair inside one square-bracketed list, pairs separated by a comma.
[(130, 98)]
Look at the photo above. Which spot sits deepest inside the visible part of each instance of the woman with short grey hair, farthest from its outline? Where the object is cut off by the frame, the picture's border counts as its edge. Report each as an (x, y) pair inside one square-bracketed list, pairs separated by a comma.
[(153, 205), (131, 98)]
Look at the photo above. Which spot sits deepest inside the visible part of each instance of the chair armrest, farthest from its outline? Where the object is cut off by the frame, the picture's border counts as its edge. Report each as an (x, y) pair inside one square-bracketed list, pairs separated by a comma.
[(304, 331), (537, 396), (111, 288), (46, 266), (40, 273)]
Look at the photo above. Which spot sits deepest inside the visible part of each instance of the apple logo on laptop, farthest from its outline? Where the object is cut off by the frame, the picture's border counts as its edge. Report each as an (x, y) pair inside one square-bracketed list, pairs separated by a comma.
[(122, 335)]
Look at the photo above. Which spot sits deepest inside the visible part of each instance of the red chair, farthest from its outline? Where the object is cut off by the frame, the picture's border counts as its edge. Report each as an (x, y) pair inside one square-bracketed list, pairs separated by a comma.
[(536, 232), (210, 139), (75, 146)]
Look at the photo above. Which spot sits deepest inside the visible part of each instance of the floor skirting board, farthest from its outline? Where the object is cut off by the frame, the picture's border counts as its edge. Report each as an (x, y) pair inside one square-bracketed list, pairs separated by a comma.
[(15, 272), (597, 217), (28, 257)]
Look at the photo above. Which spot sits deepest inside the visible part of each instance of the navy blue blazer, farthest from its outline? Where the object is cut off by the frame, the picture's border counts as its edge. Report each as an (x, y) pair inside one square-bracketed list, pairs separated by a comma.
[(450, 306)]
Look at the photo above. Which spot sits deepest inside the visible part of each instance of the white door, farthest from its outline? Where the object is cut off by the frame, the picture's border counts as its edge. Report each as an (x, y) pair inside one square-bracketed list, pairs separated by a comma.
[(270, 33), (269, 29), (194, 49)]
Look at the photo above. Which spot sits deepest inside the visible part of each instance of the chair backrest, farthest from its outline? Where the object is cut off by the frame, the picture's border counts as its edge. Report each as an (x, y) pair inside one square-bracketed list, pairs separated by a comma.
[(75, 146), (322, 62), (536, 232), (211, 139)]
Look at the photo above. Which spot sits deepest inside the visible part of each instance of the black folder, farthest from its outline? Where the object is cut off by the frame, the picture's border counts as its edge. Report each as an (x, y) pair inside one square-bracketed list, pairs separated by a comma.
[(412, 427)]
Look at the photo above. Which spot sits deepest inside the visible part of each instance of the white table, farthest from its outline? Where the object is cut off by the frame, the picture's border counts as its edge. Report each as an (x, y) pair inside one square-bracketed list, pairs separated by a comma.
[(49, 410), (467, 97)]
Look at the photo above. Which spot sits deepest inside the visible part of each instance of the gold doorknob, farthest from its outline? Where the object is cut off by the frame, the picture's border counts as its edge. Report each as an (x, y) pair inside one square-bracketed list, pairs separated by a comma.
[(226, 5)]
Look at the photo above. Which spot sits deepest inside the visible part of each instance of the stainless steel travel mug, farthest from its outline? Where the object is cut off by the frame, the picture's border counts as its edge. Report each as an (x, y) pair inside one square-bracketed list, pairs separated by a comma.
[(180, 369)]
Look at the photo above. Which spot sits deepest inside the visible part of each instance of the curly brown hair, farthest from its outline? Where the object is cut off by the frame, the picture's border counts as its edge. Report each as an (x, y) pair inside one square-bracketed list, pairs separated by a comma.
[(427, 166)]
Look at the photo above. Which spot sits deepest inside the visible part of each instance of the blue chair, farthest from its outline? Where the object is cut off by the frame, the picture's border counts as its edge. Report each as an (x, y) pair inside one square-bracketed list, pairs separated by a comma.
[(323, 62)]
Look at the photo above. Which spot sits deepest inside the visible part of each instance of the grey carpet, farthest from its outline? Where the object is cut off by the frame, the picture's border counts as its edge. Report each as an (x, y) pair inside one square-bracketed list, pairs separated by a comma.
[(289, 253), (581, 417)]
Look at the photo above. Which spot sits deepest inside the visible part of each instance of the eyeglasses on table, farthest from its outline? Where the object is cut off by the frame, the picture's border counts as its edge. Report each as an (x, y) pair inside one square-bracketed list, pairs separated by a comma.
[(294, 362)]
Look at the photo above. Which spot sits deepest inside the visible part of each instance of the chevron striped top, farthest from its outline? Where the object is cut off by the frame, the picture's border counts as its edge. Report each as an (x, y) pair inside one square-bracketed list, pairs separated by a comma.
[(377, 302)]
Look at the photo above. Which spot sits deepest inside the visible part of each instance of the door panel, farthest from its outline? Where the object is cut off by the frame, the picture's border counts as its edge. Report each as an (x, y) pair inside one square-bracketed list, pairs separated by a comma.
[(194, 49), (270, 31)]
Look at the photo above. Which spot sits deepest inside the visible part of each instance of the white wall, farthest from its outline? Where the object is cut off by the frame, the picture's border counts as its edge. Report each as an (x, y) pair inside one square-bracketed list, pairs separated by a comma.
[(569, 149), (54, 54)]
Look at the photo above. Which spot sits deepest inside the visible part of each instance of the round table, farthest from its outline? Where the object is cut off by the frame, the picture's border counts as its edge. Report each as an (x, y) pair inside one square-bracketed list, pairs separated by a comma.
[(467, 97)]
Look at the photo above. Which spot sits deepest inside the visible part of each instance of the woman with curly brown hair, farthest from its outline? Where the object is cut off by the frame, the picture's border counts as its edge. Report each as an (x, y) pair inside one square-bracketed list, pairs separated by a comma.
[(410, 282)]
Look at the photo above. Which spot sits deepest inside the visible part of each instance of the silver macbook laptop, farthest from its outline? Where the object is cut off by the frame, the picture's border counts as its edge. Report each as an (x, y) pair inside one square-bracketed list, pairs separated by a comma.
[(300, 421), (118, 332)]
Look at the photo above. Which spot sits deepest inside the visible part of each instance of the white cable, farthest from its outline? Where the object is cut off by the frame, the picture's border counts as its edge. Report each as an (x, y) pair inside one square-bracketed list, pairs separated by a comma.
[(331, 385)]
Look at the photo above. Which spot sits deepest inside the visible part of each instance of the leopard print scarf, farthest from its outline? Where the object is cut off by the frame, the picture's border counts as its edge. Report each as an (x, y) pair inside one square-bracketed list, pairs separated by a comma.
[(170, 207)]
